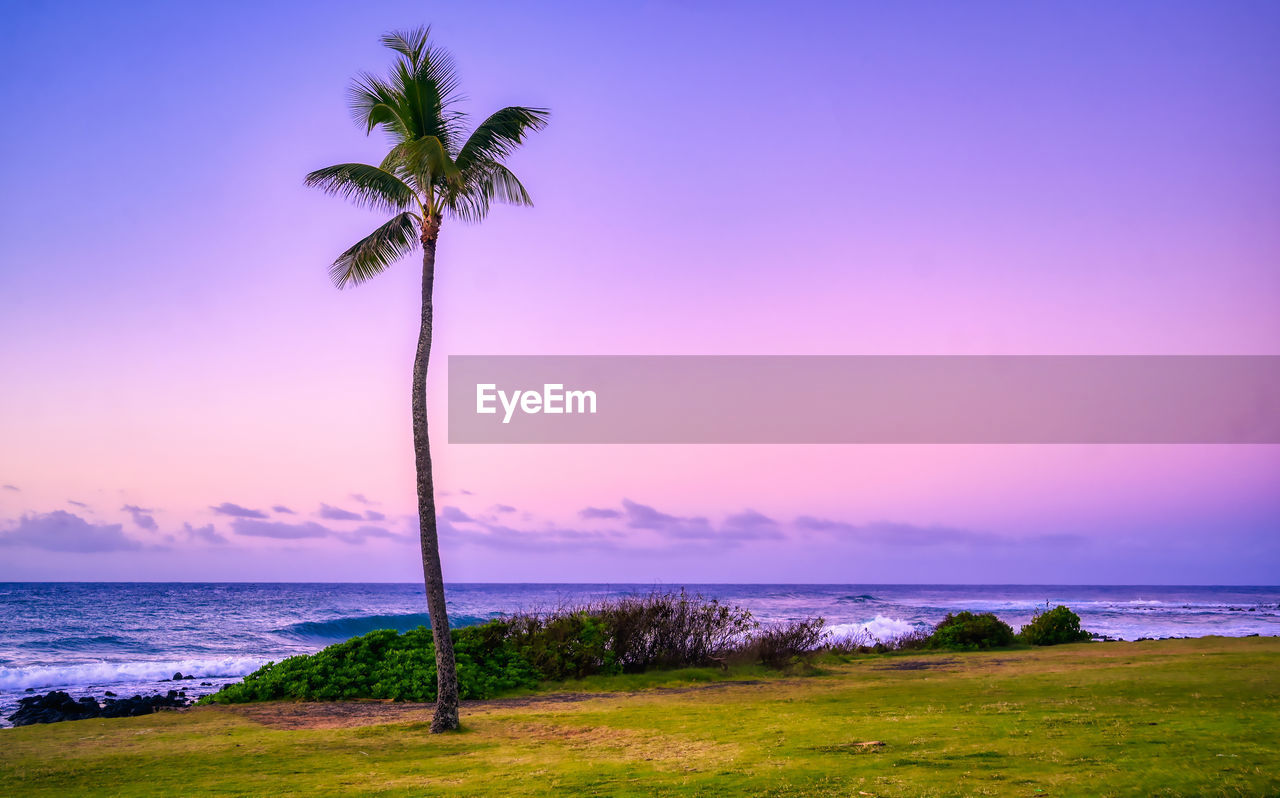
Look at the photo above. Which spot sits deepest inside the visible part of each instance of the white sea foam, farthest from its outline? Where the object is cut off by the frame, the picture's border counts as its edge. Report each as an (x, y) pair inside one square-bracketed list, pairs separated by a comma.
[(109, 673), (880, 627)]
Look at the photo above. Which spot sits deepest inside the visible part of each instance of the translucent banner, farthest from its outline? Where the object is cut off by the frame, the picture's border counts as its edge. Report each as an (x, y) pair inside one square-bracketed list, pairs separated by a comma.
[(864, 399)]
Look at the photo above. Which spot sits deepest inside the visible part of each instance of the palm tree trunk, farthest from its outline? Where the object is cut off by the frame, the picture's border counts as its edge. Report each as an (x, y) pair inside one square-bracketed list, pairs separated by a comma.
[(446, 715)]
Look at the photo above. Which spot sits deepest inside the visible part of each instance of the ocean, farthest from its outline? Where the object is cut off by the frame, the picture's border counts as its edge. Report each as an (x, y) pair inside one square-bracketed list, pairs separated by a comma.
[(88, 638)]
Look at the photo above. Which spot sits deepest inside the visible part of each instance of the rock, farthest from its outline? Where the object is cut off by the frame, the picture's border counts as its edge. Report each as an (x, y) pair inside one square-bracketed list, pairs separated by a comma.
[(206, 684), (177, 677), (109, 694), (58, 706)]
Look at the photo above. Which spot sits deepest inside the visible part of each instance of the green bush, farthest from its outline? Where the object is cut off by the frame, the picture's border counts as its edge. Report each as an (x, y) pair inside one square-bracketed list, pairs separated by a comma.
[(1054, 626), (387, 665), (968, 631), (632, 634)]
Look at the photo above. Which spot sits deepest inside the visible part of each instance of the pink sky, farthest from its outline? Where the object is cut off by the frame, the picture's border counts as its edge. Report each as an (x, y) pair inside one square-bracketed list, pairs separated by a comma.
[(842, 180)]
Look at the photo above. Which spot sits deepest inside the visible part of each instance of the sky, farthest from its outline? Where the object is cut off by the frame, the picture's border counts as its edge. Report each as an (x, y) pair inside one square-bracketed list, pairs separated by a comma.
[(186, 397)]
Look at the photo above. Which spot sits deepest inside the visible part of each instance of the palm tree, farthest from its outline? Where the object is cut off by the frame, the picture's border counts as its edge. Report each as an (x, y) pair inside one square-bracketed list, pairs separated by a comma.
[(431, 173)]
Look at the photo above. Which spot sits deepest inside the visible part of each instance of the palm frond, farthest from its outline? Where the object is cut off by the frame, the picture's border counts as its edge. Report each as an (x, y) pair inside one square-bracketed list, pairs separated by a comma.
[(472, 201), (427, 86), (408, 43), (425, 159), (506, 187), (371, 255), (376, 103), (499, 135), (368, 186)]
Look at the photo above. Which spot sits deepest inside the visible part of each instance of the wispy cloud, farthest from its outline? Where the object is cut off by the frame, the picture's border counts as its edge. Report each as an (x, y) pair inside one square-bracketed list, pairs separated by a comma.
[(254, 528), (278, 530), (331, 513), (142, 517), (593, 513), (374, 515), (13, 488), (236, 511), (897, 534), (280, 508)]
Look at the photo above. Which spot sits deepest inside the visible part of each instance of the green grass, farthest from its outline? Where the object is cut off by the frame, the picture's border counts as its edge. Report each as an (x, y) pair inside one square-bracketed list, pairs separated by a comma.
[(1177, 717)]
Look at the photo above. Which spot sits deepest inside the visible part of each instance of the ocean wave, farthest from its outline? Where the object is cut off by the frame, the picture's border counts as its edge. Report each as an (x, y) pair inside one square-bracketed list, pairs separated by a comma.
[(89, 643), (881, 628), (108, 673), (351, 626), (863, 598)]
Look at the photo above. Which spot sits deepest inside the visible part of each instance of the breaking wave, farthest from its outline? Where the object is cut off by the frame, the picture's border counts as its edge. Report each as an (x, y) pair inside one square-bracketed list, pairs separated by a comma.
[(880, 627), (109, 673)]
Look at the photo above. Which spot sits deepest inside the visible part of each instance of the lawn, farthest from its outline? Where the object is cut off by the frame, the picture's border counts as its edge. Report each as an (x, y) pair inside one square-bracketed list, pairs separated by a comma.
[(1174, 717)]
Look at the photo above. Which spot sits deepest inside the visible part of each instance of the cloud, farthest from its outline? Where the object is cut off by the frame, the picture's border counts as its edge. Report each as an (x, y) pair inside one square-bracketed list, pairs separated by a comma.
[(466, 492), (590, 513), (642, 516), (361, 534), (750, 525), (331, 513), (360, 497), (65, 532), (142, 517), (75, 503), (13, 488), (280, 508), (893, 533), (506, 538), (646, 529), (279, 530), (250, 527), (205, 533), (373, 515), (502, 508), (227, 508), (454, 514)]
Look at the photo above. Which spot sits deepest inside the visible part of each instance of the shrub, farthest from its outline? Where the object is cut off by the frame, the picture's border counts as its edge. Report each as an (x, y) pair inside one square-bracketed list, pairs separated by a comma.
[(635, 633), (788, 644), (671, 630), (387, 665), (1054, 626), (967, 630)]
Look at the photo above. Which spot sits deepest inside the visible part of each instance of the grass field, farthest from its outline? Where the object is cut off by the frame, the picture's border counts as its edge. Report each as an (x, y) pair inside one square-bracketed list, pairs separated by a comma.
[(1175, 717)]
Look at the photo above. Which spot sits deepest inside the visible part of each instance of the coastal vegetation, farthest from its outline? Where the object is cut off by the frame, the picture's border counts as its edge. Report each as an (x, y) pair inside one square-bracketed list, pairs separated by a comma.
[(1168, 718), (632, 634), (432, 172)]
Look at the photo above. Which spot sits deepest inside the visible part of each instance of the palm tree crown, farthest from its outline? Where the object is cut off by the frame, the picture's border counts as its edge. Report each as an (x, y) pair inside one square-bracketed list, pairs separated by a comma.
[(431, 171)]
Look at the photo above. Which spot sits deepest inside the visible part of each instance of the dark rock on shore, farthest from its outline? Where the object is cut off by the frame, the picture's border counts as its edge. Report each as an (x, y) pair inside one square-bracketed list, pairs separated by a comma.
[(58, 706)]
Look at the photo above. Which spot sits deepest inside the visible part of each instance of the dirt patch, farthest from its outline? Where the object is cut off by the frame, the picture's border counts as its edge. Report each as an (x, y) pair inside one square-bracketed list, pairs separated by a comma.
[(865, 747), (329, 715), (344, 714), (916, 665)]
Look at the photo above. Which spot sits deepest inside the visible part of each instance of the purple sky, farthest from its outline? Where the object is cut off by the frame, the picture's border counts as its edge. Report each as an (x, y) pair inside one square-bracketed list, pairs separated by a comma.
[(185, 396)]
